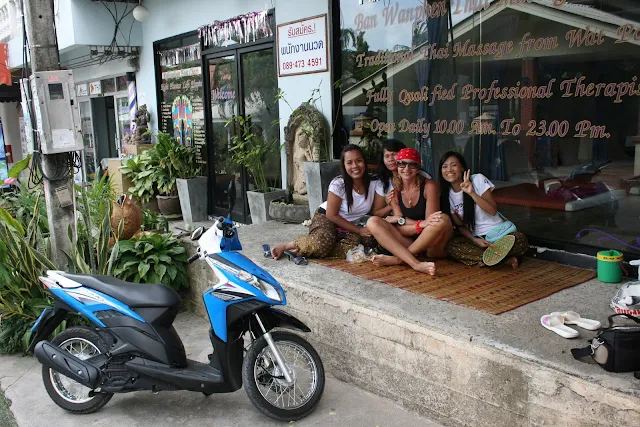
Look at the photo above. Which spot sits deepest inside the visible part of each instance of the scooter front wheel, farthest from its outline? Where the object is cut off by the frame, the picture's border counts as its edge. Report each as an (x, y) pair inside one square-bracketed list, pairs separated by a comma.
[(266, 386)]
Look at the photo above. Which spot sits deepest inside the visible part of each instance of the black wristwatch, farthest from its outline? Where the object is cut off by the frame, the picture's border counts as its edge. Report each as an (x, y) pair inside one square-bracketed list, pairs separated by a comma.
[(401, 221)]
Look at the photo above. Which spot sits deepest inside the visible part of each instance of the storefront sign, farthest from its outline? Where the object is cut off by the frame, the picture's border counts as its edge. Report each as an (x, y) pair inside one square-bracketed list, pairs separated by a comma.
[(302, 46), (95, 88), (82, 90)]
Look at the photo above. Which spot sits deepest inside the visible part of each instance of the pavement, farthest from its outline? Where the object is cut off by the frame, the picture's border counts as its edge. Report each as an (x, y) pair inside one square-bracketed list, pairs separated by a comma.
[(342, 404)]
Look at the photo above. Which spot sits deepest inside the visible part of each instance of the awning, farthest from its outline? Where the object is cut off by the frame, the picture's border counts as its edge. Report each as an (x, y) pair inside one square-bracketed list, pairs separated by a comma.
[(10, 93)]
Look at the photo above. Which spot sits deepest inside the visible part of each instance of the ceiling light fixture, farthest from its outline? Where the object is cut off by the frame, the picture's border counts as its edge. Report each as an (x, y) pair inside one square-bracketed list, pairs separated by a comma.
[(140, 13)]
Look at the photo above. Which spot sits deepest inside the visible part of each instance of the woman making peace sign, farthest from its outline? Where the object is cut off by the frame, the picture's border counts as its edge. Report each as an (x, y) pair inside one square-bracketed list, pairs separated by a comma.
[(469, 201)]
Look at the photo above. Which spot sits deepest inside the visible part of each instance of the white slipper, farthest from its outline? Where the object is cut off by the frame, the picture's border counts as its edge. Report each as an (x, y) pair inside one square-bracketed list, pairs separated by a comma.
[(555, 323), (573, 318)]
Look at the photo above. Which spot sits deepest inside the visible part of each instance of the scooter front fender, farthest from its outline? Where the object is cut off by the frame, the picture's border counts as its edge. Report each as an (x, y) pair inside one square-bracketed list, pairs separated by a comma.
[(272, 318)]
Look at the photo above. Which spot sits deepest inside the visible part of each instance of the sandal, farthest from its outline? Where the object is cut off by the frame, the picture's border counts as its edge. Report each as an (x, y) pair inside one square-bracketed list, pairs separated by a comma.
[(555, 323), (573, 318), (298, 260)]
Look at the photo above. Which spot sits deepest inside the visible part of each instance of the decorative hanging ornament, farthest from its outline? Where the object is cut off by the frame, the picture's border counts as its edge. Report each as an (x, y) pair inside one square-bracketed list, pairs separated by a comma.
[(243, 29)]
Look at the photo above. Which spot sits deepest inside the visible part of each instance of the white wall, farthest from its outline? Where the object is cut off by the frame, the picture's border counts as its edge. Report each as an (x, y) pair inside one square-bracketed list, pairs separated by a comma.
[(297, 89), (84, 22), (162, 23), (94, 25)]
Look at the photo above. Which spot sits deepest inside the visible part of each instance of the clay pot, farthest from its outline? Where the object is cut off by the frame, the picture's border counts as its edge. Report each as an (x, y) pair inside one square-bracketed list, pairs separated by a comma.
[(132, 215)]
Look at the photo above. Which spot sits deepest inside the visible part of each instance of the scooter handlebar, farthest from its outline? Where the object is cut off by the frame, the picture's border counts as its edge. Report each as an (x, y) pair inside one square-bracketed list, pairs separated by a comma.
[(193, 258)]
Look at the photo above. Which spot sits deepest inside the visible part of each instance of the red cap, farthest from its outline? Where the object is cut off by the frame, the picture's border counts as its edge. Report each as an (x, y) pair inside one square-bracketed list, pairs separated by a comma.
[(410, 154)]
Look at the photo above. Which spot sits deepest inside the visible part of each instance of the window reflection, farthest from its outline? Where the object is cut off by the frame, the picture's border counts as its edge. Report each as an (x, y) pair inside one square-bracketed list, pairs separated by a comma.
[(540, 96)]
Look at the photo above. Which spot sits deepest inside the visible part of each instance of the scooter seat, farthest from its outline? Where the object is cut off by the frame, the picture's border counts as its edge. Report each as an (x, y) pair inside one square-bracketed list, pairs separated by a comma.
[(135, 295)]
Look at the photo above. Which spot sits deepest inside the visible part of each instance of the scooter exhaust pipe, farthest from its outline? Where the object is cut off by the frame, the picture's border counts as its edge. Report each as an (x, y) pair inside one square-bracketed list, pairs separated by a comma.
[(67, 364)]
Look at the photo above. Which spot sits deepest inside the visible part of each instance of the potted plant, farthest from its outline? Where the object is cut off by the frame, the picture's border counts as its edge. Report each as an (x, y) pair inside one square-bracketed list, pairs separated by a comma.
[(251, 148), (165, 160), (192, 186), (140, 170)]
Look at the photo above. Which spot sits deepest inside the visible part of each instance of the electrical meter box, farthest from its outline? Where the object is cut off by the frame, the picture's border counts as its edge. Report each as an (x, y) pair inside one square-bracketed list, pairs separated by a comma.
[(57, 117)]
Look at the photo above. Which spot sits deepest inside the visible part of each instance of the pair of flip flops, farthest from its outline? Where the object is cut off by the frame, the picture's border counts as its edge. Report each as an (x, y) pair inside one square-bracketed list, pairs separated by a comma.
[(557, 321), (297, 260)]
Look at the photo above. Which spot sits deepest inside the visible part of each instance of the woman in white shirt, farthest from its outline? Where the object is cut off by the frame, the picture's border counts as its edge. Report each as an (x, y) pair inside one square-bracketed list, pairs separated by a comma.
[(335, 226), (473, 211)]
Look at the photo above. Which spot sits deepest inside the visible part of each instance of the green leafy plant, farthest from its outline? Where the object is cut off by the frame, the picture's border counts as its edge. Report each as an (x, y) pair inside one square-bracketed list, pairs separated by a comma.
[(140, 170), (251, 148), (25, 255), (169, 161), (101, 256), (153, 258), (154, 221), (20, 204), (20, 166)]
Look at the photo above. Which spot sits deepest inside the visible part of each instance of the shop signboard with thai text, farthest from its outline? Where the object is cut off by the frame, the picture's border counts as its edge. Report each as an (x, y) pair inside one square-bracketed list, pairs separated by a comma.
[(302, 46)]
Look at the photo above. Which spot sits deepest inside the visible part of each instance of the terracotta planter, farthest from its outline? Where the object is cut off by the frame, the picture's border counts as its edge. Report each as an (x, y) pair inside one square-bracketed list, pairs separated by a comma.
[(169, 205), (132, 216)]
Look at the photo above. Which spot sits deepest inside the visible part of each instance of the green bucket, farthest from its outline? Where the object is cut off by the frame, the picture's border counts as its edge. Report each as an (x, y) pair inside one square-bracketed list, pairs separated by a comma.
[(609, 270)]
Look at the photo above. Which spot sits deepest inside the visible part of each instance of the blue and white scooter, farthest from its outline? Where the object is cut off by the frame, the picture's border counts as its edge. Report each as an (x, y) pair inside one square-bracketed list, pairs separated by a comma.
[(132, 345)]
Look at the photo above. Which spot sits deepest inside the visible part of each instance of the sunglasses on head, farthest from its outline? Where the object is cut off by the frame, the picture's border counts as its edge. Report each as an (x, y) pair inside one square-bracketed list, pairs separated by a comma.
[(402, 164)]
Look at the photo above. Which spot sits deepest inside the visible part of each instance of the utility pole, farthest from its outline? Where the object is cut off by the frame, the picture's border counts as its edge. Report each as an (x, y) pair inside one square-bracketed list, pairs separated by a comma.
[(43, 48)]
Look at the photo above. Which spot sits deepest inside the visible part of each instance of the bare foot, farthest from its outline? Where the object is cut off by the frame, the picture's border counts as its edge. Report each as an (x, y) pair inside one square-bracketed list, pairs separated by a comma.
[(426, 267), (514, 262), (278, 250), (385, 260)]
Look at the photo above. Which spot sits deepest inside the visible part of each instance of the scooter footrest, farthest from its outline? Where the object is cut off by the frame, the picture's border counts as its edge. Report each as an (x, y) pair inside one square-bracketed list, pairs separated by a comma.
[(195, 376)]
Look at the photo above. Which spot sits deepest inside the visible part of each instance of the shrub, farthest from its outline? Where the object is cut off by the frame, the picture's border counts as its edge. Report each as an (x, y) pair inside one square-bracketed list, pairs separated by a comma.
[(152, 258)]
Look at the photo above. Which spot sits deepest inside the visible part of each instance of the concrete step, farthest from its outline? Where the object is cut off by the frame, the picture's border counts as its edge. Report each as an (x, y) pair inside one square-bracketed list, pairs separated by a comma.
[(458, 366)]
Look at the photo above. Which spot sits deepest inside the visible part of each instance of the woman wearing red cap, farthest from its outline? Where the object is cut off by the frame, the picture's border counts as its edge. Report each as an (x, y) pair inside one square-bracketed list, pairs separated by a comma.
[(407, 233)]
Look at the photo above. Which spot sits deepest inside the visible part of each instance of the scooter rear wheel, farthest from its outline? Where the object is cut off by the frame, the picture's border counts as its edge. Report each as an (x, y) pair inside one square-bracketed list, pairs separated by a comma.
[(65, 392), (265, 384)]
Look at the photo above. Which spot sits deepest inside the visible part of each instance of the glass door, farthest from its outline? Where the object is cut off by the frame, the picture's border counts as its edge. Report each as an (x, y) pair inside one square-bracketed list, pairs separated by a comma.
[(240, 82), (259, 88), (228, 182), (122, 120)]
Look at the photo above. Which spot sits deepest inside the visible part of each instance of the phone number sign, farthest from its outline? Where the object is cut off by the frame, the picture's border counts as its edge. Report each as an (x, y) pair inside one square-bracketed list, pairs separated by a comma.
[(302, 46)]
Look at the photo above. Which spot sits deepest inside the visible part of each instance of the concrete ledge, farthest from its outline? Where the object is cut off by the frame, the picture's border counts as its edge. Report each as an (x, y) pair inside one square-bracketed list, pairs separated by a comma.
[(455, 365)]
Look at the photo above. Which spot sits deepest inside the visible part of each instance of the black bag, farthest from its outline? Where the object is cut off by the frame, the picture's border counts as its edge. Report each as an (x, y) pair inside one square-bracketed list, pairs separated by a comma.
[(616, 348)]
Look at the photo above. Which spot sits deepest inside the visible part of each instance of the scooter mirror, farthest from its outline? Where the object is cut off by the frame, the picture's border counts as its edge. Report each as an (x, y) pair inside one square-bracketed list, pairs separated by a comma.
[(197, 233)]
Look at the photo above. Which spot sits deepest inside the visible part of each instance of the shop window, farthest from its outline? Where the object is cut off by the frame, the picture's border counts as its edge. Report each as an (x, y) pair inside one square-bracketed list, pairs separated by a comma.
[(180, 103), (548, 111), (121, 83), (108, 85)]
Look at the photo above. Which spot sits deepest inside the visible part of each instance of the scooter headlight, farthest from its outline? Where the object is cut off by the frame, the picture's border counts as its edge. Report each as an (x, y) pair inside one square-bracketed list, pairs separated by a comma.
[(269, 290)]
